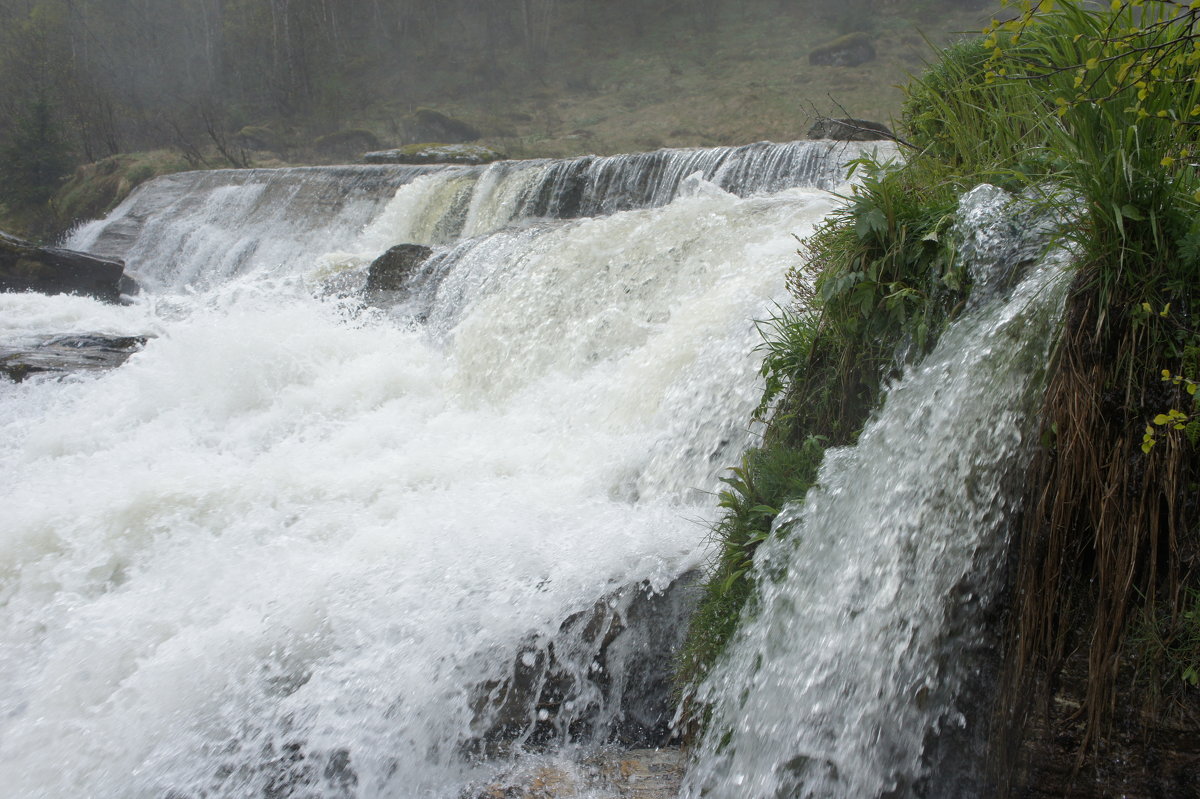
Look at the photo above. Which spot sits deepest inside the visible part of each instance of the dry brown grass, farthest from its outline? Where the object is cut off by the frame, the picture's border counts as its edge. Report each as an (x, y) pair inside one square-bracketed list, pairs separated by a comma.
[(1102, 544)]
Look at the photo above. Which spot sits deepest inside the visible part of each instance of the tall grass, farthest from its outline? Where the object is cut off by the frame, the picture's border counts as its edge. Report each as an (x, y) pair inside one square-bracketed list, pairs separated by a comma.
[(1112, 522)]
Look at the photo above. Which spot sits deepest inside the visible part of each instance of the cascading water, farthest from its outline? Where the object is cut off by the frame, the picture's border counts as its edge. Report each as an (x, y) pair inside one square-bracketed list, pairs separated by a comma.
[(298, 546), (205, 227), (868, 621)]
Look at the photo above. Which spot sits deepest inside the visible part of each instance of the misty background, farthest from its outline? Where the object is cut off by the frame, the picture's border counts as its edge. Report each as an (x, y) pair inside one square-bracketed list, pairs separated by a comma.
[(268, 82)]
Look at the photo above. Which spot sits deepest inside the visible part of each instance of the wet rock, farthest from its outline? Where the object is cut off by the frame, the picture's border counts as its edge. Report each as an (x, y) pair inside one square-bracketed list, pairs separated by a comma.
[(604, 677), (64, 354), (850, 129), (436, 153), (392, 270), (128, 286), (50, 270), (609, 774), (846, 51), (1145, 752)]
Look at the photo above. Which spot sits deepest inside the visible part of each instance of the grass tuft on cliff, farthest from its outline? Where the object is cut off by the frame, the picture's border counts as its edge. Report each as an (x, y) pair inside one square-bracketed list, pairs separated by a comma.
[(1097, 110)]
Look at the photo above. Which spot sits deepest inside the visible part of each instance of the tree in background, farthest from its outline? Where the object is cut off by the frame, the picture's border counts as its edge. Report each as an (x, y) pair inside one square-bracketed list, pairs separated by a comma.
[(34, 151), (34, 156)]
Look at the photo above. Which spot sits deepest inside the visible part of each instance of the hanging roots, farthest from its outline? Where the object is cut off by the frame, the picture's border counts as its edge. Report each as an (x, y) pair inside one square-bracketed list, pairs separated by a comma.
[(1108, 539)]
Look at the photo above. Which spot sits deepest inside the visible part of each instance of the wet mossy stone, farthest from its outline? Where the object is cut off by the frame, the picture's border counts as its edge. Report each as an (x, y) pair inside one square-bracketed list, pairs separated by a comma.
[(435, 153), (846, 51), (390, 271), (51, 270), (850, 130)]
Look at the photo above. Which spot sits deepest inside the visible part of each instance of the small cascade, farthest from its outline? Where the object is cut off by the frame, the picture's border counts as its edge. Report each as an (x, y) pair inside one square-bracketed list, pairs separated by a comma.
[(202, 228), (869, 627), (592, 186)]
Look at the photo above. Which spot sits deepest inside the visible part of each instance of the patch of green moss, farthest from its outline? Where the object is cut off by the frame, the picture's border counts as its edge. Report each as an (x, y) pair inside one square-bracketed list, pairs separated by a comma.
[(95, 189)]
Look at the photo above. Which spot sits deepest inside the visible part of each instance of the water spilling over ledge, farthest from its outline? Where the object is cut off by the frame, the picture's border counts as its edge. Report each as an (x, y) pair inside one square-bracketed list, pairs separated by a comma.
[(849, 675), (295, 543)]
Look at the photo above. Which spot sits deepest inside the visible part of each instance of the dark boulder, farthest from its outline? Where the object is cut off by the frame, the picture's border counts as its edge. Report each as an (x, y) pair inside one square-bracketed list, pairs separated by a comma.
[(392, 270), (260, 137), (606, 675), (51, 270), (346, 144), (849, 130), (847, 51), (429, 125)]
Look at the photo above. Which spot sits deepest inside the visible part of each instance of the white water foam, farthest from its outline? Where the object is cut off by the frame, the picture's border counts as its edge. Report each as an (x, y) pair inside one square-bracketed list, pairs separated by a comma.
[(278, 551)]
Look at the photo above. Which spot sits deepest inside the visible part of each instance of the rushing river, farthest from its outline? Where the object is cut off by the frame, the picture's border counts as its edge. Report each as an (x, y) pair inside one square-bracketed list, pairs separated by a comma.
[(300, 545)]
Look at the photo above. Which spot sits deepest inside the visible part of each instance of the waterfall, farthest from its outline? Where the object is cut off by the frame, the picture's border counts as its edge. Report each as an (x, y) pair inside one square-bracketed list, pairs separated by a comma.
[(206, 227), (304, 546), (867, 629)]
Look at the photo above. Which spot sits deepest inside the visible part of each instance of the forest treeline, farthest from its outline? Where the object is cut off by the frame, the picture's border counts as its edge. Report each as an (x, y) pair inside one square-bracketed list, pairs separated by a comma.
[(84, 79)]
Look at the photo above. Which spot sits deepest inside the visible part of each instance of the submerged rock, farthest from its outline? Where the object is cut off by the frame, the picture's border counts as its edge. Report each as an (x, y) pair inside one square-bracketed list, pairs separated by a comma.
[(606, 676), (392, 270), (850, 129), (51, 270), (65, 354), (435, 153), (846, 51), (608, 774)]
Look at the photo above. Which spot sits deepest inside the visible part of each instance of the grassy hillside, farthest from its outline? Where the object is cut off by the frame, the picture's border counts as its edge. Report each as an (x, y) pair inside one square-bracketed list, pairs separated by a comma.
[(746, 78)]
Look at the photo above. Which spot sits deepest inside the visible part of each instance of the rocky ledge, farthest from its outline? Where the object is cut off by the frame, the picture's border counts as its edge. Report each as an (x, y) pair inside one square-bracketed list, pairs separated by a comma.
[(430, 153), (67, 354), (51, 270)]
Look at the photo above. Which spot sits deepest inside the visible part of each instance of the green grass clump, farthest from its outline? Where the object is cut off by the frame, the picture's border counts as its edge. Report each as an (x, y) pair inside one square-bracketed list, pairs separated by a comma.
[(1170, 648), (768, 478)]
